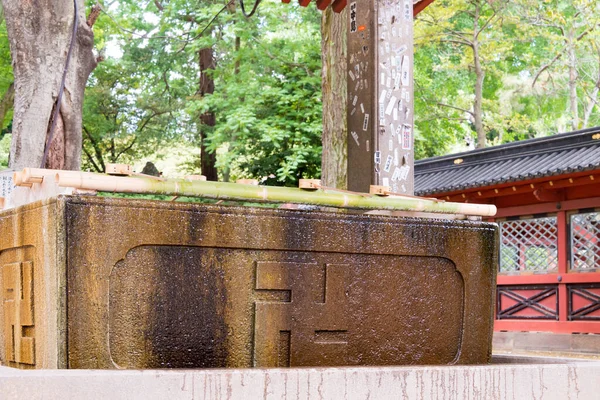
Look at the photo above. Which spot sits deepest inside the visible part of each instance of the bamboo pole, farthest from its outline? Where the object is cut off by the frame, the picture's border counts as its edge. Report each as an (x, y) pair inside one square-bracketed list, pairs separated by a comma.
[(36, 175), (233, 191)]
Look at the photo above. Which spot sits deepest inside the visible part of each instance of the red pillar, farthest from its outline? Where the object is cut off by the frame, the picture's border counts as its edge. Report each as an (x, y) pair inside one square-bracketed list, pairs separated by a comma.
[(563, 238)]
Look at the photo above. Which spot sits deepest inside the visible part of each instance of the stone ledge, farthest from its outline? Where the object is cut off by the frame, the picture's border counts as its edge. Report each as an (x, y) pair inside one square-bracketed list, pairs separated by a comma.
[(508, 381)]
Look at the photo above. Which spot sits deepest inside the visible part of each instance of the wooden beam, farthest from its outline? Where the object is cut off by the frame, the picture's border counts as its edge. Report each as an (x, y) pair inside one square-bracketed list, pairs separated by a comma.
[(548, 279), (420, 6), (546, 186), (323, 4), (339, 5), (546, 195), (531, 209), (547, 326)]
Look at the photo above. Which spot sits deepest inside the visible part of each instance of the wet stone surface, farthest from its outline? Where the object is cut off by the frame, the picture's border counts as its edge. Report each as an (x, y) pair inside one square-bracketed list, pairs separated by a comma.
[(171, 285)]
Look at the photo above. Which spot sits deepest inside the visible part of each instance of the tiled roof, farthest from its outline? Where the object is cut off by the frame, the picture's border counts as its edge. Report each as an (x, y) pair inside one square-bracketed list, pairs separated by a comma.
[(528, 159)]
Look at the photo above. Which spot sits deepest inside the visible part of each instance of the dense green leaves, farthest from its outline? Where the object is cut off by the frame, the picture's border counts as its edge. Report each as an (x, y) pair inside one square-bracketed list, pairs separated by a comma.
[(6, 79), (539, 62), (269, 108), (267, 88)]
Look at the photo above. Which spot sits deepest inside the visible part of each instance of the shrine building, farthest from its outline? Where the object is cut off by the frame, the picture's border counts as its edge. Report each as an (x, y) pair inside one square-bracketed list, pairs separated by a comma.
[(547, 191)]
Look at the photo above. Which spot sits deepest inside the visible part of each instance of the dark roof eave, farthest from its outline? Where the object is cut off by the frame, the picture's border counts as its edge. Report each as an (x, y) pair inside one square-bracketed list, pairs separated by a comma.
[(489, 184), (537, 144)]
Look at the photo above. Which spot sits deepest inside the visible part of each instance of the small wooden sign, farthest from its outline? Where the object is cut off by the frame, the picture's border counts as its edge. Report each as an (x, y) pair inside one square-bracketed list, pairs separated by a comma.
[(7, 184), (195, 177), (247, 182), (309, 184), (119, 169), (379, 190)]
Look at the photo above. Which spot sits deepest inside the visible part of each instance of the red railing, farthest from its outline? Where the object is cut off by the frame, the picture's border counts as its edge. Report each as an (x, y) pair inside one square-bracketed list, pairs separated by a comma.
[(563, 299)]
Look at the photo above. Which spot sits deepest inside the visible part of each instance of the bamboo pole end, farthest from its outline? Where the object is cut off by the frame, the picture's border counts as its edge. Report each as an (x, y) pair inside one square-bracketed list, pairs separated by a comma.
[(19, 181)]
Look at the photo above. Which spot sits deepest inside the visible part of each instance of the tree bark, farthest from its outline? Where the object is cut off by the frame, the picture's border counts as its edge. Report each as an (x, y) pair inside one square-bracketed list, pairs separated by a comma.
[(478, 103), (207, 86), (573, 101), (479, 77), (334, 165), (593, 101), (40, 33)]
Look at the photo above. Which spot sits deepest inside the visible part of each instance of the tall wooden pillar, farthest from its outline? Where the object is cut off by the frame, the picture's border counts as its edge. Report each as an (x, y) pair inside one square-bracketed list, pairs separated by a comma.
[(380, 95)]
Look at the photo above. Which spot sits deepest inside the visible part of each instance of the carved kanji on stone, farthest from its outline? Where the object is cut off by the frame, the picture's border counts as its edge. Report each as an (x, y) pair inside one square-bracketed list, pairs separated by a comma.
[(17, 290), (300, 315)]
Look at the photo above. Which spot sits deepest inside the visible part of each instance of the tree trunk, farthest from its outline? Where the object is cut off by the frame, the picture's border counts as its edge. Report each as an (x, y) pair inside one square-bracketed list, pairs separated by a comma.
[(593, 97), (334, 166), (477, 104), (479, 77), (573, 82), (40, 34), (591, 105), (207, 86)]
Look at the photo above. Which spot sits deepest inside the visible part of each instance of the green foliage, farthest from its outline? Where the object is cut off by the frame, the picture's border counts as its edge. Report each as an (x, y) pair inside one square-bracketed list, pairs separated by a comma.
[(124, 116), (6, 79), (269, 108), (267, 81), (541, 61), (454, 38), (131, 107), (4, 151), (541, 64), (6, 74), (267, 99), (564, 65)]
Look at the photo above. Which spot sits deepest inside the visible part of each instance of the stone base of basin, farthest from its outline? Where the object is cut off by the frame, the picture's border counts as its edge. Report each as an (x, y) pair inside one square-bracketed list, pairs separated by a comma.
[(100, 283), (508, 381)]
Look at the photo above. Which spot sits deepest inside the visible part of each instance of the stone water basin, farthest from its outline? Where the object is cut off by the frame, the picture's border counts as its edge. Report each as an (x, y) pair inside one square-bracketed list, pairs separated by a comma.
[(104, 283)]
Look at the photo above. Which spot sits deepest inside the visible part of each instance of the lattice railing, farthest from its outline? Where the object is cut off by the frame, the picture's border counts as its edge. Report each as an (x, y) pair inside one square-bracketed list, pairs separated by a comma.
[(584, 302), (585, 241), (527, 302), (529, 244)]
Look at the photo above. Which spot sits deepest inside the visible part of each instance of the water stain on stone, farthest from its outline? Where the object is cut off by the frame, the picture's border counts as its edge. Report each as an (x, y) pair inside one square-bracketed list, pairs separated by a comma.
[(176, 295)]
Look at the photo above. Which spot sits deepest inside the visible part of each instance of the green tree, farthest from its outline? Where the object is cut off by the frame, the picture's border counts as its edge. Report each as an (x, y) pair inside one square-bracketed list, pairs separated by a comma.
[(7, 92), (134, 103), (568, 68), (124, 116), (267, 84), (268, 96), (466, 38)]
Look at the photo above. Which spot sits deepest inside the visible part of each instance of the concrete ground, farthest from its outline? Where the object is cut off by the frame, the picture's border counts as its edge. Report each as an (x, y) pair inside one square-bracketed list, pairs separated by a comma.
[(580, 346)]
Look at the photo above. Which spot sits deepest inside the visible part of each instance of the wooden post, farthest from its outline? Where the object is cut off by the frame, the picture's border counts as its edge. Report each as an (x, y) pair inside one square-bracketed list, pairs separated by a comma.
[(380, 95)]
